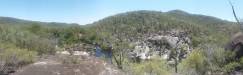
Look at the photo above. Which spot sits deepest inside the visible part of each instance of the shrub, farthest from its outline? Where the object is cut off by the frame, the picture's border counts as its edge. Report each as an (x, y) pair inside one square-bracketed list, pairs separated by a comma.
[(220, 60), (151, 67), (230, 67), (209, 59), (194, 62), (12, 57), (215, 57), (233, 66), (27, 40)]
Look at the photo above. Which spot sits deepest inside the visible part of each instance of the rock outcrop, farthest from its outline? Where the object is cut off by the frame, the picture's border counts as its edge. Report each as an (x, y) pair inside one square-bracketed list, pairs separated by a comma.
[(162, 44), (80, 63)]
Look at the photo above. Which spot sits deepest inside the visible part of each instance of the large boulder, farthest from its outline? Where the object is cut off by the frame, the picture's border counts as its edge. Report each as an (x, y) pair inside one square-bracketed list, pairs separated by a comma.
[(236, 44)]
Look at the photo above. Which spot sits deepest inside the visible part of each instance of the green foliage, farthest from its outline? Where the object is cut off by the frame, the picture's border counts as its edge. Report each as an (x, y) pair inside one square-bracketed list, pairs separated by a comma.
[(21, 56), (151, 67), (230, 67), (241, 61), (215, 57), (220, 60), (89, 36), (202, 29), (35, 28), (71, 35), (195, 61), (211, 59), (12, 57), (38, 37)]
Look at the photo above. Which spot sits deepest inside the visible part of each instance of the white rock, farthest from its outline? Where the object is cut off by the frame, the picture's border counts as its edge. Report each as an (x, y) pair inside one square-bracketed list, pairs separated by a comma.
[(142, 56), (146, 49), (40, 63), (63, 52), (80, 53), (165, 56)]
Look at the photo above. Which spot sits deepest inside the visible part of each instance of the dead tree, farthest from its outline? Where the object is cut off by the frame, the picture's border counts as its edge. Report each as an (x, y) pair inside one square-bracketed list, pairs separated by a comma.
[(235, 16)]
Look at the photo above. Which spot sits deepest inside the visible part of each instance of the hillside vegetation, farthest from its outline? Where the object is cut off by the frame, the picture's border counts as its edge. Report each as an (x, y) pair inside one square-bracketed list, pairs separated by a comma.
[(202, 28)]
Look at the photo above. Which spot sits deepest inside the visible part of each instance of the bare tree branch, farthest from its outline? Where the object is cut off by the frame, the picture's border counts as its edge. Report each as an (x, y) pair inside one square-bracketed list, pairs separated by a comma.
[(235, 16)]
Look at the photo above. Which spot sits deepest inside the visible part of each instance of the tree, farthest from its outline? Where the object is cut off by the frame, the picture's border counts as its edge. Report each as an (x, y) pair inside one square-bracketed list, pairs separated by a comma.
[(119, 51), (178, 51), (35, 28), (117, 39)]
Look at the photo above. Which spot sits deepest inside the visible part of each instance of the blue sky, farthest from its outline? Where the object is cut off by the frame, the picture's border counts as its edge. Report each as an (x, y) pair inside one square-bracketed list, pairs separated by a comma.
[(88, 11)]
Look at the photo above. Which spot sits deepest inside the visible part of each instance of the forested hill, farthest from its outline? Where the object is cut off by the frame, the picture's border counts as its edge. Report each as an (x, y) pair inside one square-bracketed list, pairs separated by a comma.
[(137, 23), (16, 21), (146, 17), (196, 18)]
